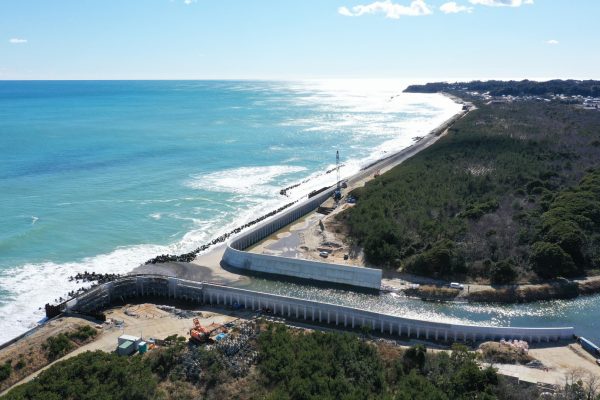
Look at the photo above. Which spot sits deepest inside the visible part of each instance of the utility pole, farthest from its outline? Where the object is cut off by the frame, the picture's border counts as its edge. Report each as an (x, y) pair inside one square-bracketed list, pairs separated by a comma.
[(338, 190), (337, 167)]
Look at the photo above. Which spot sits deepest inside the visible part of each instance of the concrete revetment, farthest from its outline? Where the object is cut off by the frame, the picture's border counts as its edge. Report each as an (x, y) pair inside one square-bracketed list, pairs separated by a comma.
[(236, 257), (306, 310)]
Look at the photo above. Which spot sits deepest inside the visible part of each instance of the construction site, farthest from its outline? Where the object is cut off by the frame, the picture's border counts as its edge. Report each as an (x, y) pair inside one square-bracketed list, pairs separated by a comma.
[(318, 235), (138, 329)]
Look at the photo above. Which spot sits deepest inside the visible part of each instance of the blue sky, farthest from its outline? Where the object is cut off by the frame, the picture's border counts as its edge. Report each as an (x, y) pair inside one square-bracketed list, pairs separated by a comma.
[(295, 39)]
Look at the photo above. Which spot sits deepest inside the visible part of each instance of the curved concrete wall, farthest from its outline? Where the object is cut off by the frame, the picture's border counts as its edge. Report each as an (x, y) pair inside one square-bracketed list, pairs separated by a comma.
[(295, 267), (295, 308), (235, 255)]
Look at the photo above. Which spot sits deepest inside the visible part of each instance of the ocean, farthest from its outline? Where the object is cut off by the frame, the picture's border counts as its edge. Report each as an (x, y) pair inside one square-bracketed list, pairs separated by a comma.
[(103, 175)]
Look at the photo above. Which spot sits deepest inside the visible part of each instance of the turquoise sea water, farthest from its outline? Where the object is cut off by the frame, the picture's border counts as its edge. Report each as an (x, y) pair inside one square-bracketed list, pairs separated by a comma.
[(102, 175)]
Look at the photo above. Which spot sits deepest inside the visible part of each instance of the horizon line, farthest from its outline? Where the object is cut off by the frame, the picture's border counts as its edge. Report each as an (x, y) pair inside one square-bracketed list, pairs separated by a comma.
[(447, 79)]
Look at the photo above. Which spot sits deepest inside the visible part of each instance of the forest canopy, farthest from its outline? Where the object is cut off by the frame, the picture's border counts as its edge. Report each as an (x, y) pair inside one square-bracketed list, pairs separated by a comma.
[(515, 88), (509, 193)]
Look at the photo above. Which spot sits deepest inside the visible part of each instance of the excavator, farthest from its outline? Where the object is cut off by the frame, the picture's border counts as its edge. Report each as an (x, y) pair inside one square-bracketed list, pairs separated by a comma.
[(199, 333)]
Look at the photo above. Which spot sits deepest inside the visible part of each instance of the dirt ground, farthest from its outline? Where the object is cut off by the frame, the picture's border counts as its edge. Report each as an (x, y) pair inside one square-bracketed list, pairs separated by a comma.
[(305, 239), (145, 320), (152, 321), (558, 364)]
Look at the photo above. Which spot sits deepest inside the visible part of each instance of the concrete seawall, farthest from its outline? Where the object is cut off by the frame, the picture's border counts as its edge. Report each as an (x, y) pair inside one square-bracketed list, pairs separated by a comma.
[(236, 257), (300, 309)]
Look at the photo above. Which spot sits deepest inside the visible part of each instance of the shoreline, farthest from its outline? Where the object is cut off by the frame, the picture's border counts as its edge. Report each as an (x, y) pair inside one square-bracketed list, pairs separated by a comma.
[(209, 255), (213, 272), (381, 165), (291, 241), (210, 260)]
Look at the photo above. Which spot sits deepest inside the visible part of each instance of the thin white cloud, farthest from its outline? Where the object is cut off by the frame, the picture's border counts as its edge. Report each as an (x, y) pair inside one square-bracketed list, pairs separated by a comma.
[(188, 2), (17, 41), (452, 8), (552, 42), (501, 3), (390, 10), (345, 12)]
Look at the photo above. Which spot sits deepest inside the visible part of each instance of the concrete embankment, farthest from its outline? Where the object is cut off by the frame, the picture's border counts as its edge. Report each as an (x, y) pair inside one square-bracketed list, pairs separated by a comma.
[(236, 257), (319, 312)]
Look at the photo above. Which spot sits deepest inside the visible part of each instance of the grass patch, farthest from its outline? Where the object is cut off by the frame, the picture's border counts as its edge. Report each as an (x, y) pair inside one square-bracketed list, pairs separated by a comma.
[(494, 352), (57, 346), (82, 334)]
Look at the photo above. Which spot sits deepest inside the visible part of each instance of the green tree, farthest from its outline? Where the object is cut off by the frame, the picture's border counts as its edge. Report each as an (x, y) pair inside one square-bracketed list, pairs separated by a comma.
[(549, 260), (503, 272), (57, 346), (414, 358), (91, 376)]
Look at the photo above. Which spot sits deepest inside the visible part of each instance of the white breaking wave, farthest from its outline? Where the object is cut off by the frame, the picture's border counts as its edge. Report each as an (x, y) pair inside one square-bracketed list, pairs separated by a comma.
[(30, 286), (244, 180)]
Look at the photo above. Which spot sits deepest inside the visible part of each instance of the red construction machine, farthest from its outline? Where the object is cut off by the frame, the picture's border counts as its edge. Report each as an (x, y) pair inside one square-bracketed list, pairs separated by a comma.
[(199, 333)]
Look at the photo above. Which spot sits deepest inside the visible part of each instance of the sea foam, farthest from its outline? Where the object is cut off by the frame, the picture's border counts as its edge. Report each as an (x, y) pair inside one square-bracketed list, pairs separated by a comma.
[(200, 200)]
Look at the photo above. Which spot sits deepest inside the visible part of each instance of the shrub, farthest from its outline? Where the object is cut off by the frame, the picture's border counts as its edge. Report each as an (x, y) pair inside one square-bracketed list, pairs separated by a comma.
[(441, 260), (5, 371), (83, 333), (500, 353), (549, 260), (503, 272), (57, 346)]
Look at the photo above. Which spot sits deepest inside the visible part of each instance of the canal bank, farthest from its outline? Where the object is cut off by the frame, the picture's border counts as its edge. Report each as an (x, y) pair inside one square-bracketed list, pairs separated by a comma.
[(152, 286), (580, 312)]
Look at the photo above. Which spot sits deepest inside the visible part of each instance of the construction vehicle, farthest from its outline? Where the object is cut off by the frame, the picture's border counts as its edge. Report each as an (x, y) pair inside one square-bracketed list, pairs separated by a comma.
[(199, 333)]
